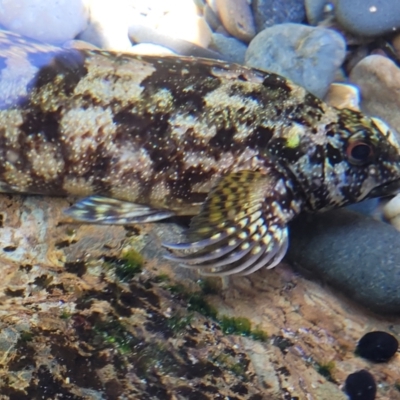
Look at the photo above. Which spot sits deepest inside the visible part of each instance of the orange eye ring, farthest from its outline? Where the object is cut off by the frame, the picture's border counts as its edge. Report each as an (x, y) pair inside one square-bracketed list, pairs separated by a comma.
[(359, 153)]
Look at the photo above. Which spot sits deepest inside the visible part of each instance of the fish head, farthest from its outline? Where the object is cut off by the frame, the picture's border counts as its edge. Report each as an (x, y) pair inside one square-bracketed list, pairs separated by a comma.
[(360, 159), (384, 163)]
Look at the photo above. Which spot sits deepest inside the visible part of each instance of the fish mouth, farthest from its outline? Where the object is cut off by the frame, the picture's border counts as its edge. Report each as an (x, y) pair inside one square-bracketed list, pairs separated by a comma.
[(387, 189)]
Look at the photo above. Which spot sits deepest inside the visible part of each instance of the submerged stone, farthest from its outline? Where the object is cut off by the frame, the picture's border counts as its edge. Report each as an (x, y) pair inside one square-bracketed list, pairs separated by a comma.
[(354, 253)]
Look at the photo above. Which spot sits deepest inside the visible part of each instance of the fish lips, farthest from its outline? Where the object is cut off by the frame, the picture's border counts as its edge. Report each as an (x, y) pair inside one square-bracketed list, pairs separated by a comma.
[(387, 189)]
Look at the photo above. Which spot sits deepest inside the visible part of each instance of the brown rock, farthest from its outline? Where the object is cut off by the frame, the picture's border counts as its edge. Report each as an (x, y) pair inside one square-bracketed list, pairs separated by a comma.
[(379, 81), (211, 18), (396, 44), (343, 96), (72, 325), (237, 18)]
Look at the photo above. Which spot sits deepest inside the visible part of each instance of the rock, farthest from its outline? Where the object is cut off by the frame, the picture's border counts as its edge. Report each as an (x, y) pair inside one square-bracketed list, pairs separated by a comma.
[(150, 48), (308, 56), (146, 34), (66, 291), (48, 21), (396, 45), (200, 4), (211, 18), (272, 12), (213, 5), (391, 211), (355, 254), (343, 96), (233, 49), (316, 10), (237, 18), (79, 44), (369, 207), (108, 26), (177, 19), (368, 17), (379, 81), (193, 28), (150, 12)]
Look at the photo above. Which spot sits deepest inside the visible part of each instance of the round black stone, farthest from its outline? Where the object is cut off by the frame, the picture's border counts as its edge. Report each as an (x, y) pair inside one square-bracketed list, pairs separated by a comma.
[(360, 386), (377, 346)]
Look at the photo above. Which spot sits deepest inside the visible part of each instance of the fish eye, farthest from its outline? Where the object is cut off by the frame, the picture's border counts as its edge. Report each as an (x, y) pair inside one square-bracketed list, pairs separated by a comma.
[(359, 153)]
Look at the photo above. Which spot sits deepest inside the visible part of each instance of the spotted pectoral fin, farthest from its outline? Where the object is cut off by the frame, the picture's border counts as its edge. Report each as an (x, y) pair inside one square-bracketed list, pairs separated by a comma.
[(104, 210), (240, 228)]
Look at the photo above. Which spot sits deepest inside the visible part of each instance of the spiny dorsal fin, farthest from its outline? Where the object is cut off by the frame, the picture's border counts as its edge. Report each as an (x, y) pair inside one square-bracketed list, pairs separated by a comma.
[(240, 229), (104, 210)]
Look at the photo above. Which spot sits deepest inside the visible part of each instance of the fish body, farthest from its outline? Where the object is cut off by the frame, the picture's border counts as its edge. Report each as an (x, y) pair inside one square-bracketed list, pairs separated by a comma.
[(141, 138)]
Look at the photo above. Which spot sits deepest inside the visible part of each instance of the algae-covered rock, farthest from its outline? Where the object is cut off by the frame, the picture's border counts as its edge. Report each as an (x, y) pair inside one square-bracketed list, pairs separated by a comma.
[(94, 312)]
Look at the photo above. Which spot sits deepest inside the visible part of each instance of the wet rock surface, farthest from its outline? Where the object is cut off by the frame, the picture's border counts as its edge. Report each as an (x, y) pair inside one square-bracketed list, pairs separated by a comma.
[(356, 254), (94, 312)]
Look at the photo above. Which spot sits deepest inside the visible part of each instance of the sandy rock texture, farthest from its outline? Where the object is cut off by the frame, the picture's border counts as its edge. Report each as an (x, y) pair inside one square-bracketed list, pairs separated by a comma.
[(93, 312)]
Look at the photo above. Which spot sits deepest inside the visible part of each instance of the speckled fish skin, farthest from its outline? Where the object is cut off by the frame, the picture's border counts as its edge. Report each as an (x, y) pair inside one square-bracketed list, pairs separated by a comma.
[(165, 131)]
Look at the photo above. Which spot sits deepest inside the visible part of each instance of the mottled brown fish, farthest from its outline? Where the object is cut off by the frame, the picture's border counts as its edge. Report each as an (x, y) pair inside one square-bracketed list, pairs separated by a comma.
[(142, 138)]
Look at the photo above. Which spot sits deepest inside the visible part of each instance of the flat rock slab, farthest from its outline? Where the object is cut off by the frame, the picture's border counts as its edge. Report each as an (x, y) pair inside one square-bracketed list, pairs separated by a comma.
[(77, 322)]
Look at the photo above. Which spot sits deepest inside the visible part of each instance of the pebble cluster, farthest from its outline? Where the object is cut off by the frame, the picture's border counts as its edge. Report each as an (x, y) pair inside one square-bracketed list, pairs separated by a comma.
[(304, 40)]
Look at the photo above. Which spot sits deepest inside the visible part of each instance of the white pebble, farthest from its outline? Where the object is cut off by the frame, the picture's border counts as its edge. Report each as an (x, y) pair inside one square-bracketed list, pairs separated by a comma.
[(178, 19), (108, 26), (150, 49), (53, 21), (391, 209)]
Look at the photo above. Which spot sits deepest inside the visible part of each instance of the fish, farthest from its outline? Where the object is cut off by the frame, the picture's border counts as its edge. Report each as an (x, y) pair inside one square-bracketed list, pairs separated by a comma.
[(138, 138)]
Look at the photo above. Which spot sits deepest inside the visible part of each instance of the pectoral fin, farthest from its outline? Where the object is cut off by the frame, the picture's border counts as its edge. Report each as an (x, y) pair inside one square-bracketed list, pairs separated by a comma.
[(104, 210), (240, 229)]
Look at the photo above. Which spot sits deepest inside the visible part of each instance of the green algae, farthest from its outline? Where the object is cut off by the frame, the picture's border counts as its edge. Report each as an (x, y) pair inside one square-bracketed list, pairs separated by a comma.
[(161, 278), (179, 322), (155, 356), (177, 288), (65, 315), (235, 325), (241, 326), (325, 369), (129, 264), (209, 286), (196, 302), (132, 264), (259, 335), (114, 333), (237, 367), (26, 336)]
